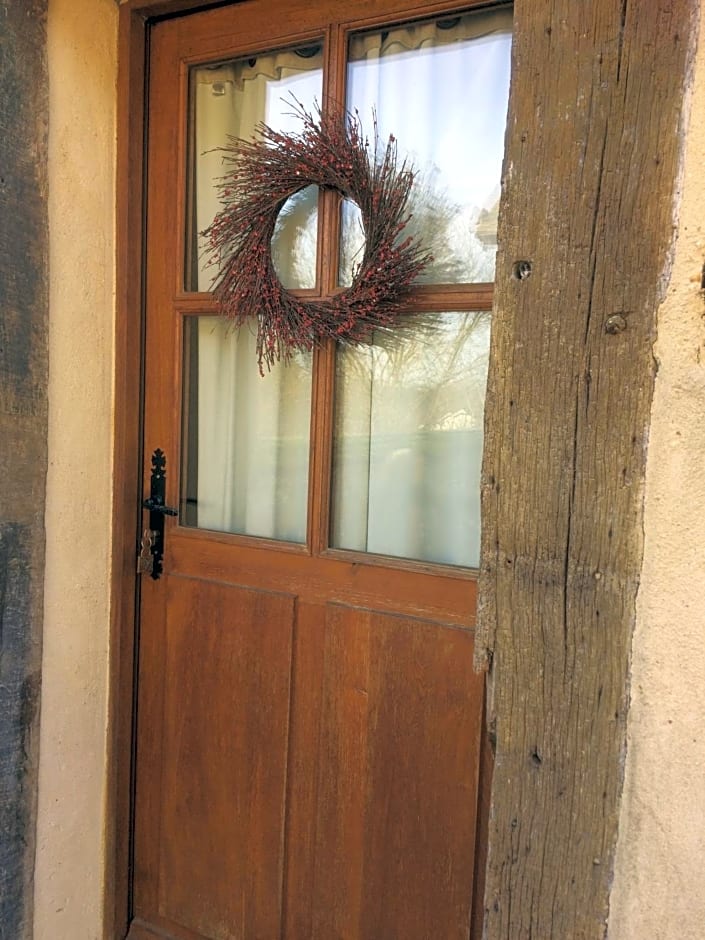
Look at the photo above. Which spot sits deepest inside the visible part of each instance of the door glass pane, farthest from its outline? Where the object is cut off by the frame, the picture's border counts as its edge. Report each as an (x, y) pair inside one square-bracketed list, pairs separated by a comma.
[(230, 100), (408, 441), (441, 88), (245, 465)]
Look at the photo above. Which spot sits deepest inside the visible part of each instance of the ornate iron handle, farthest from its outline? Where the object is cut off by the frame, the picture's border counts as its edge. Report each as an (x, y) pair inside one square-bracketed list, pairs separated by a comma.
[(157, 507)]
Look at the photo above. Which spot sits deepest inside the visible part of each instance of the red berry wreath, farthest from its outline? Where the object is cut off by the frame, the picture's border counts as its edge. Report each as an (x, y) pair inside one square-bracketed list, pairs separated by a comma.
[(332, 153)]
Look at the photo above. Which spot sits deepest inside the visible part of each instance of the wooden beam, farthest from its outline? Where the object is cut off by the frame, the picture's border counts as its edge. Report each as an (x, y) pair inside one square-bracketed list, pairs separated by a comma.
[(594, 142), (24, 299)]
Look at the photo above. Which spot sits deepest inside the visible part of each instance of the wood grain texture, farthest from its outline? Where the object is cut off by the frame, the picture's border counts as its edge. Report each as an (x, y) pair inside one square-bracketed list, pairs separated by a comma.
[(24, 264), (224, 758), (399, 758), (417, 769), (593, 147)]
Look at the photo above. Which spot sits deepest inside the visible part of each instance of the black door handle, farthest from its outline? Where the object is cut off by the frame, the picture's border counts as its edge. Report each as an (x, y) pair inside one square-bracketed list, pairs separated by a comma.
[(154, 505), (157, 507)]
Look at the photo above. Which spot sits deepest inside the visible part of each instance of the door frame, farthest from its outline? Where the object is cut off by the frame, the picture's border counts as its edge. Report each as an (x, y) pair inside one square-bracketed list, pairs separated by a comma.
[(135, 18)]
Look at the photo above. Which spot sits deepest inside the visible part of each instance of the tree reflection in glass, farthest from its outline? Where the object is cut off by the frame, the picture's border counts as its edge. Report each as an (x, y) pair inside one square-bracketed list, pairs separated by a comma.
[(408, 440)]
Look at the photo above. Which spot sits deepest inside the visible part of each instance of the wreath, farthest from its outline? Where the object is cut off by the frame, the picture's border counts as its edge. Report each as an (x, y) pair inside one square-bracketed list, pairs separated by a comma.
[(332, 152)]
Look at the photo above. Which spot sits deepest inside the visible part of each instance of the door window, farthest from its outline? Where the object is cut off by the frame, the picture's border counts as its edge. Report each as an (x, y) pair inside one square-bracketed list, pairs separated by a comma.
[(416, 82), (408, 441), (402, 445), (228, 100), (247, 437)]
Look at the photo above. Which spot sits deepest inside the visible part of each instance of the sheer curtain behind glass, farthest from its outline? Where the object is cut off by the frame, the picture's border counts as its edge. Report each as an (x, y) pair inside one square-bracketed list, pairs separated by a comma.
[(409, 410), (441, 88), (250, 434), (408, 441)]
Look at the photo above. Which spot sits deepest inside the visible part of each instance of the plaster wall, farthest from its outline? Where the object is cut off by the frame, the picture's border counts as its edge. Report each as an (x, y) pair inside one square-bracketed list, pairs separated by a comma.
[(82, 53), (658, 886)]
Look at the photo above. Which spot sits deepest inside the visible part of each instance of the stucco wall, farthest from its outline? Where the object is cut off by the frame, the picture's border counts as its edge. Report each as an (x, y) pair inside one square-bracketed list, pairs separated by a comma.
[(659, 886), (82, 47), (661, 851)]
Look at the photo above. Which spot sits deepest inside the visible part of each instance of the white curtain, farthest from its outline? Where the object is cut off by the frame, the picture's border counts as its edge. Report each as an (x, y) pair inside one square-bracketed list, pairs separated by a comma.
[(251, 433), (230, 101), (253, 437), (408, 441), (441, 88)]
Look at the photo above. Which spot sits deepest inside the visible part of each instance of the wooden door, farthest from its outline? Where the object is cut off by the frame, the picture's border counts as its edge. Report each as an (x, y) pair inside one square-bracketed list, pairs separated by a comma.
[(308, 723)]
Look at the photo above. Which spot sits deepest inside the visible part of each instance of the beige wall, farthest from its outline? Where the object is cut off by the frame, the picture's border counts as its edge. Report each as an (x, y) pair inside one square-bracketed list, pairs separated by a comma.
[(82, 47), (658, 888)]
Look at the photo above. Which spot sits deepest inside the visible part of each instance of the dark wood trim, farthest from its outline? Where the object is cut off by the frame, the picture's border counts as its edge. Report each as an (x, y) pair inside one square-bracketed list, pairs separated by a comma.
[(24, 362), (133, 37)]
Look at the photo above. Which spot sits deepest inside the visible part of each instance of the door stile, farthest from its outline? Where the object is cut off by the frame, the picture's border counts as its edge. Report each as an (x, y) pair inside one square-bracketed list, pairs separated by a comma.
[(131, 112), (324, 356), (181, 179), (159, 432)]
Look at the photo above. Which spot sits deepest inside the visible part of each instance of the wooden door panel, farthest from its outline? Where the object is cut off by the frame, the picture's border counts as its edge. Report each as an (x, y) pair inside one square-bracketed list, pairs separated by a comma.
[(226, 723), (398, 770), (308, 720)]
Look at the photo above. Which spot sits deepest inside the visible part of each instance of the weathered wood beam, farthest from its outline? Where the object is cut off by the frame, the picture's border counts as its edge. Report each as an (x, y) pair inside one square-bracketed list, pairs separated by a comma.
[(594, 143), (23, 441)]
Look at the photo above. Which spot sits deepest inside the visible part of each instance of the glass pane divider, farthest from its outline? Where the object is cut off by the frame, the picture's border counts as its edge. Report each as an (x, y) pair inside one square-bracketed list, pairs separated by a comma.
[(204, 303), (321, 446)]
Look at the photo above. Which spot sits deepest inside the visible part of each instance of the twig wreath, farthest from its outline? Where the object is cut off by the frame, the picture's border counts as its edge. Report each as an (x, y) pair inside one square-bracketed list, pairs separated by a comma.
[(331, 152)]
